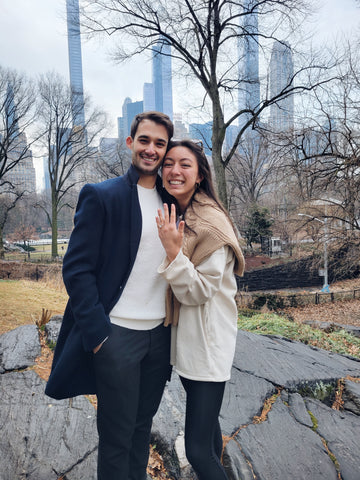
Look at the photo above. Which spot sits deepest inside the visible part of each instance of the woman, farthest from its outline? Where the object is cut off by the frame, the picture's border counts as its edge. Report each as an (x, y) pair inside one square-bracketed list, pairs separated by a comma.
[(202, 256)]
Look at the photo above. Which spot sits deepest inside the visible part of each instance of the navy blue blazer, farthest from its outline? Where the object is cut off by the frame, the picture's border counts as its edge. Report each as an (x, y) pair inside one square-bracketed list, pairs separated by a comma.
[(100, 256)]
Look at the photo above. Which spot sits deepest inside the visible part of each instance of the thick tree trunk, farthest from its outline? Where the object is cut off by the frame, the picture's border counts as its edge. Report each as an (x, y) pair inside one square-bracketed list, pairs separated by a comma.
[(54, 226), (218, 136), (2, 251)]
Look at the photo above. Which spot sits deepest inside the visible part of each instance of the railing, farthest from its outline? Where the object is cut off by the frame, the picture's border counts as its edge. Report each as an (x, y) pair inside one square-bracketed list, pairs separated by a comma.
[(285, 300), (34, 257)]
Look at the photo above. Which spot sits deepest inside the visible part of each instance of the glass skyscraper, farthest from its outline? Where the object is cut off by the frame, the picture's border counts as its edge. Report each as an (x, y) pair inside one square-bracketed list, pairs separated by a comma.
[(157, 95), (149, 97), (281, 75), (75, 62), (160, 95), (249, 83)]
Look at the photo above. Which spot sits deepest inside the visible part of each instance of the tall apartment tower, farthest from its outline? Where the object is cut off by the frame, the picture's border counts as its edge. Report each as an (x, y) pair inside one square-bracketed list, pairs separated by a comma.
[(149, 97), (10, 113), (75, 63), (158, 94), (248, 47), (22, 175), (281, 74)]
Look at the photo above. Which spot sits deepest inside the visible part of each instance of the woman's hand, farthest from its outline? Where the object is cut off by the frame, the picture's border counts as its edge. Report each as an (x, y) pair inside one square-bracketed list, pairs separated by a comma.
[(170, 235)]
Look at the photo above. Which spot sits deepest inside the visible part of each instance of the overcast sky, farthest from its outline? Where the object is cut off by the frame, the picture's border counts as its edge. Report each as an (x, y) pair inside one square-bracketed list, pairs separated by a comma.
[(33, 39)]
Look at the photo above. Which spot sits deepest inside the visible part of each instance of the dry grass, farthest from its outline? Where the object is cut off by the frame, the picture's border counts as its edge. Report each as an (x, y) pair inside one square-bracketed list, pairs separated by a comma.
[(22, 301)]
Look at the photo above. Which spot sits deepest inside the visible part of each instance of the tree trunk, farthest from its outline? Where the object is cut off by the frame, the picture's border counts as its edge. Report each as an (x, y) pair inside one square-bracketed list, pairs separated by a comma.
[(220, 174), (218, 135), (2, 251), (54, 226)]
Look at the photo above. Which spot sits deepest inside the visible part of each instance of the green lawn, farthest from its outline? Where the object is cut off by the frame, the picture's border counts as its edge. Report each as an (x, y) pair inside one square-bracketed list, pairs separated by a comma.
[(338, 341)]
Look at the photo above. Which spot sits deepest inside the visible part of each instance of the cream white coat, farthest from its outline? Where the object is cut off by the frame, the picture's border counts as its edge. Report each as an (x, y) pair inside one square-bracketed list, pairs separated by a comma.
[(203, 342)]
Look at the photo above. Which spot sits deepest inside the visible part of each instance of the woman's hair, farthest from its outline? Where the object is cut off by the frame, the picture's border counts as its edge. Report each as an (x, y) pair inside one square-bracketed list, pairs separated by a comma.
[(206, 183)]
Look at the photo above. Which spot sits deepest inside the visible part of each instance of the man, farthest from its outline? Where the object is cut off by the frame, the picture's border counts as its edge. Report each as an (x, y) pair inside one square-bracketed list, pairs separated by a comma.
[(112, 340)]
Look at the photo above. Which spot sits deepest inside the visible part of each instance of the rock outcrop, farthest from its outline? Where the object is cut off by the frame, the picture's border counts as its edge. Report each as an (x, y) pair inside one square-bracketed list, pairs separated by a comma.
[(296, 439), (277, 417)]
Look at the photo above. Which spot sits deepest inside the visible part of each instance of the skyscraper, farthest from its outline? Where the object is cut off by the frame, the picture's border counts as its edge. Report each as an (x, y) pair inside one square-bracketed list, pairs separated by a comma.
[(149, 97), (158, 94), (22, 176), (281, 74), (249, 83), (129, 110), (75, 63), (10, 113)]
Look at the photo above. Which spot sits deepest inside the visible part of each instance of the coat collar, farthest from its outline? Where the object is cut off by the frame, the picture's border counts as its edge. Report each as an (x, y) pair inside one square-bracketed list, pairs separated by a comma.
[(132, 176)]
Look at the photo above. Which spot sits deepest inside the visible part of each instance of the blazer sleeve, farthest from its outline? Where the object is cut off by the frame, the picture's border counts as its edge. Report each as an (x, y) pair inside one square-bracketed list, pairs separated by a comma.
[(80, 268), (195, 285)]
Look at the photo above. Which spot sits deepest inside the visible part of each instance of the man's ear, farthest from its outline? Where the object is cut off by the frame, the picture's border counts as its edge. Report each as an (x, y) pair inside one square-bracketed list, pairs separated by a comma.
[(129, 142)]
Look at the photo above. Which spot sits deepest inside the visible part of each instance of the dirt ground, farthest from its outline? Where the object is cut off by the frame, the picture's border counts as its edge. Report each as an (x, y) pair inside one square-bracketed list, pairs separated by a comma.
[(344, 313)]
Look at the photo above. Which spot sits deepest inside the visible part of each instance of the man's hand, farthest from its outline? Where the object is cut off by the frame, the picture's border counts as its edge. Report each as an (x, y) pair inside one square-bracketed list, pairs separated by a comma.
[(96, 349)]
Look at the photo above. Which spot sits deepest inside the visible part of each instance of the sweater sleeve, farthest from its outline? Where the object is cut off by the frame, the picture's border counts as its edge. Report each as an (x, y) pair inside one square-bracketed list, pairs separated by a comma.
[(195, 286)]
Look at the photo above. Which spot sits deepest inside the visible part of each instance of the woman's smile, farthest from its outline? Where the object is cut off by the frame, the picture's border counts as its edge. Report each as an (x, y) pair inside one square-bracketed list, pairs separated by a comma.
[(180, 173)]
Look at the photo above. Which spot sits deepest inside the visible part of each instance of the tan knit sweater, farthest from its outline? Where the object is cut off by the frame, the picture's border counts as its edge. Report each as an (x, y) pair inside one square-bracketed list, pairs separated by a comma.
[(211, 230)]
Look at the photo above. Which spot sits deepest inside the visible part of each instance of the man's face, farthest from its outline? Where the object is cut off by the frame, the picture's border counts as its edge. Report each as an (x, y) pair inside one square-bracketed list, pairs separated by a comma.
[(148, 147)]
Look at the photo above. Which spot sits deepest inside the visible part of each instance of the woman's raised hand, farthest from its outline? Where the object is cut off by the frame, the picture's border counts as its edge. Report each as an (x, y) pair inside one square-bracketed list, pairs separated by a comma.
[(171, 236)]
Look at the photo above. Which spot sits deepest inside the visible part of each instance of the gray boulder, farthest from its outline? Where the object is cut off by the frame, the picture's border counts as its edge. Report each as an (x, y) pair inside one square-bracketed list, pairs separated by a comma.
[(19, 348), (298, 437), (289, 364), (285, 445), (52, 329), (44, 439), (281, 448), (351, 397), (340, 431)]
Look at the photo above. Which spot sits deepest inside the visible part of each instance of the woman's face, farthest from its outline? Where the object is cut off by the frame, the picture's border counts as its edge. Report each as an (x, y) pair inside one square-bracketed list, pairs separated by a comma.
[(180, 173)]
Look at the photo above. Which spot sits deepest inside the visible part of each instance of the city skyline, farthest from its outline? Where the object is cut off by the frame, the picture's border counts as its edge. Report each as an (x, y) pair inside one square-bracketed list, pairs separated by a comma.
[(40, 45)]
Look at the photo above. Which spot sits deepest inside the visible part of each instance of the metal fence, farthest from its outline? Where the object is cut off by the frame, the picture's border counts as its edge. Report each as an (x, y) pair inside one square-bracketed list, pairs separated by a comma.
[(285, 300)]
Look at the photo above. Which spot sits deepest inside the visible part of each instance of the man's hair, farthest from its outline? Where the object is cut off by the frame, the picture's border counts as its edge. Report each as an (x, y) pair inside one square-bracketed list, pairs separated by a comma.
[(157, 117)]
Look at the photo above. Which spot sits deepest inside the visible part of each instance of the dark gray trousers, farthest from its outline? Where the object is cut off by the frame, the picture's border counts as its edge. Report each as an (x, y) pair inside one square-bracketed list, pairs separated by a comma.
[(131, 370)]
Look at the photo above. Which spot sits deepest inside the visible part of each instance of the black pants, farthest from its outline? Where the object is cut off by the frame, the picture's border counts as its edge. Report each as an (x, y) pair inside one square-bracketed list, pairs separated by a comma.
[(203, 439), (131, 370)]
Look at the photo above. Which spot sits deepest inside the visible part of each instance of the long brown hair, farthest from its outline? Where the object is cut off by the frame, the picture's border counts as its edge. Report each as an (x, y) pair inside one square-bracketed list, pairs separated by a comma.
[(206, 184)]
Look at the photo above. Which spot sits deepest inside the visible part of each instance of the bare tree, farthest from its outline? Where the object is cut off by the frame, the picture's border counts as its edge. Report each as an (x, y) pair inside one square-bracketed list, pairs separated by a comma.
[(204, 36), (251, 172), (113, 160), (328, 151), (24, 233), (68, 148), (16, 115), (324, 166)]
